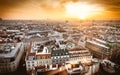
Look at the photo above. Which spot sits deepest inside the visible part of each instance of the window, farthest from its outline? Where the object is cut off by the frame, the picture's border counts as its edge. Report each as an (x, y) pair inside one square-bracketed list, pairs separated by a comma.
[(28, 68), (14, 66), (9, 69), (28, 62), (33, 65), (43, 57)]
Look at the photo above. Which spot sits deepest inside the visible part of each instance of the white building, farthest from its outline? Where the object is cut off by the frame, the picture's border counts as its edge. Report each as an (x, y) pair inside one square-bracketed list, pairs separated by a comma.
[(61, 43), (98, 50), (38, 57), (10, 56), (80, 54)]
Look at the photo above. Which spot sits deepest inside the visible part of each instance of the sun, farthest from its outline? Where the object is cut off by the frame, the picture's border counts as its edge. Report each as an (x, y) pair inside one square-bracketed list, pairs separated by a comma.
[(82, 10)]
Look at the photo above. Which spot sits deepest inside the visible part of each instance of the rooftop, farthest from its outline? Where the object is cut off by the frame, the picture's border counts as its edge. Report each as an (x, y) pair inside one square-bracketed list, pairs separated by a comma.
[(77, 48), (93, 42), (10, 37), (60, 52), (9, 50)]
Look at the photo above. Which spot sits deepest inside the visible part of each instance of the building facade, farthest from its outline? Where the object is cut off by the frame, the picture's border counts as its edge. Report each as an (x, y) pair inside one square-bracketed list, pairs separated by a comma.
[(98, 50), (38, 58), (10, 56), (80, 54), (59, 57)]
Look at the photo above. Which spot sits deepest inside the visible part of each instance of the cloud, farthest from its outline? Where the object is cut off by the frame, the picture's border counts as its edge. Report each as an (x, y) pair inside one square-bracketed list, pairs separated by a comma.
[(6, 5), (52, 7)]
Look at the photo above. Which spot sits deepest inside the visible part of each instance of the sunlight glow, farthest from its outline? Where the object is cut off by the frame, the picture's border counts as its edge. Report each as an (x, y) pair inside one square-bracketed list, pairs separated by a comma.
[(82, 10)]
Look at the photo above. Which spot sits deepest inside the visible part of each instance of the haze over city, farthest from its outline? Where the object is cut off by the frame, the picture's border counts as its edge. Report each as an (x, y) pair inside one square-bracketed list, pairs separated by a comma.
[(60, 9), (59, 37)]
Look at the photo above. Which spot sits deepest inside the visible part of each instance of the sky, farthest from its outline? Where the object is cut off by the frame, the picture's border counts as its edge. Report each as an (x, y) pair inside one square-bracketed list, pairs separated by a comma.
[(60, 9)]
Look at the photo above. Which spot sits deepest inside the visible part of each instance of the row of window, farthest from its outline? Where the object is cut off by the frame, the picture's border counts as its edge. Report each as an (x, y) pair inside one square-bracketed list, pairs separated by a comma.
[(79, 55), (39, 63), (60, 57), (60, 61), (43, 57), (6, 68), (81, 51), (88, 57)]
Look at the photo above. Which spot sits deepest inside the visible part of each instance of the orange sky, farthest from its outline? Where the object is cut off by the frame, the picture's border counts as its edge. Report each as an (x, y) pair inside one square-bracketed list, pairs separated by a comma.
[(56, 9)]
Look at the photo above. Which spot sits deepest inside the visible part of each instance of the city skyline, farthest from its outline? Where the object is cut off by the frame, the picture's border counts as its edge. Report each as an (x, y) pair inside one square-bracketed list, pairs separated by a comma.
[(42, 47), (59, 9)]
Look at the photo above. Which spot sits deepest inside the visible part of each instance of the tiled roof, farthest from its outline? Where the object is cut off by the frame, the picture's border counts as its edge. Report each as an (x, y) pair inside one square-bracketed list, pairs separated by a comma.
[(43, 54), (59, 52)]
